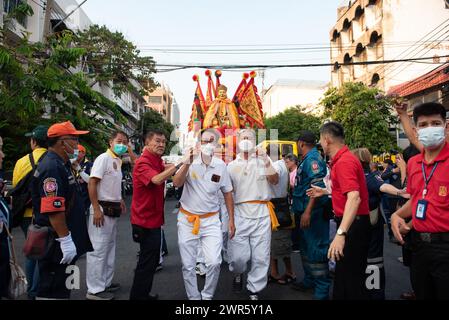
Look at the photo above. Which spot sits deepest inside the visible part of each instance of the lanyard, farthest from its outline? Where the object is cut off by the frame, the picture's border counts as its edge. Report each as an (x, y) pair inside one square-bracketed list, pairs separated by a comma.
[(427, 180)]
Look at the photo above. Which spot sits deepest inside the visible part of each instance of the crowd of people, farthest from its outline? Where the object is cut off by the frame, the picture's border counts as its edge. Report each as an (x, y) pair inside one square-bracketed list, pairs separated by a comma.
[(256, 208)]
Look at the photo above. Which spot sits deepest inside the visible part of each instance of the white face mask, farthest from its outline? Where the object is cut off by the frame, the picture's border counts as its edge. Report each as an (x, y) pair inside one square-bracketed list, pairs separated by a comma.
[(208, 149), (246, 145), (431, 137)]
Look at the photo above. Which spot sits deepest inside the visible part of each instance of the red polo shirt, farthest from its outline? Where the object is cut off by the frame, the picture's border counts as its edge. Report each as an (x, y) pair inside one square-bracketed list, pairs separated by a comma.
[(437, 214), (147, 208), (347, 175)]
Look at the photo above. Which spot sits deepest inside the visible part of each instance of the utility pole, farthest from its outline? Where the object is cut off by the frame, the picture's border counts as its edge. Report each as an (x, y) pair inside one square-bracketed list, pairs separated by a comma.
[(47, 19)]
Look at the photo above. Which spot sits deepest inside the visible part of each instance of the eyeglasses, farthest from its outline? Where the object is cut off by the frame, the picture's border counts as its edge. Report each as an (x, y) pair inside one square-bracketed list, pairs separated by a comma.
[(70, 139)]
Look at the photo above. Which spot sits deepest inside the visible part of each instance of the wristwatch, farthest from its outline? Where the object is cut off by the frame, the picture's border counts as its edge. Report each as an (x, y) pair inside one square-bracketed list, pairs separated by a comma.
[(341, 232), (179, 166)]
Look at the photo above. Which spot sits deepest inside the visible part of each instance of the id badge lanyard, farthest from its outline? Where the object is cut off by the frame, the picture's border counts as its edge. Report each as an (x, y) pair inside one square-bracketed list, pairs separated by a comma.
[(427, 180)]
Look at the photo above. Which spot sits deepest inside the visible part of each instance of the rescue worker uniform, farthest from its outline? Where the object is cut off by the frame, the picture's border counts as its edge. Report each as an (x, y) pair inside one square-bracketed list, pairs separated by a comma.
[(199, 225), (375, 263), (253, 221), (314, 241), (55, 190)]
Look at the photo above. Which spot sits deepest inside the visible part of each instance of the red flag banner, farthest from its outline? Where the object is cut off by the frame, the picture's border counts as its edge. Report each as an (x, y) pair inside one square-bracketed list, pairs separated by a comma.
[(251, 105)]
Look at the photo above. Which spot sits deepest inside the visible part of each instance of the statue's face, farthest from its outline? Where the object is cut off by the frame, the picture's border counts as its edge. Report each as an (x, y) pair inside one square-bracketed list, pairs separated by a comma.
[(222, 93)]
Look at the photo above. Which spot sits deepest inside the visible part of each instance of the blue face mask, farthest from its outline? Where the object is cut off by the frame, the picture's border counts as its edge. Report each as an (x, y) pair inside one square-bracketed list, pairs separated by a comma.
[(431, 137), (73, 156), (120, 149)]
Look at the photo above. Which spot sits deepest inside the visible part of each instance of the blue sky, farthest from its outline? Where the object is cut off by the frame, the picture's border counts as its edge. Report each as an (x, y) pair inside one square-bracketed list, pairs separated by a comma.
[(155, 24)]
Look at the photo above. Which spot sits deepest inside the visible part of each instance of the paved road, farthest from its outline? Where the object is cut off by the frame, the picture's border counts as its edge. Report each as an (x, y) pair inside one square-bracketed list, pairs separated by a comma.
[(168, 282)]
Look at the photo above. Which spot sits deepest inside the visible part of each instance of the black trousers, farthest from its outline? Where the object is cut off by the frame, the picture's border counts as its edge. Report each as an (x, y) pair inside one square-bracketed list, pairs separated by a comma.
[(52, 274), (150, 250), (350, 276), (430, 269), (375, 272)]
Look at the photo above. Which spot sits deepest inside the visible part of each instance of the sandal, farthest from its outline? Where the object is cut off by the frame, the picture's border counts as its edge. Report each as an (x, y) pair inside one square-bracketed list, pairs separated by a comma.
[(289, 279), (272, 279)]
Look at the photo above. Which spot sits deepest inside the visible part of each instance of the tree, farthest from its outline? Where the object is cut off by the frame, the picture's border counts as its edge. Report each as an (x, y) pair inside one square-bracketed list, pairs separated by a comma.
[(365, 113), (291, 121), (110, 58), (41, 83), (154, 120)]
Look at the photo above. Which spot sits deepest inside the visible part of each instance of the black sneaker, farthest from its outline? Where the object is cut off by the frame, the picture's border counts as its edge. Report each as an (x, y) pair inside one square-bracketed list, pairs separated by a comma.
[(100, 296), (113, 287), (159, 267), (299, 286), (237, 283)]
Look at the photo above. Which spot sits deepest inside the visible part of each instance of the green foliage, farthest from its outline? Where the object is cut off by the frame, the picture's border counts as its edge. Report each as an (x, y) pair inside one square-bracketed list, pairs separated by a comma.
[(110, 57), (154, 120), (365, 113), (291, 121), (41, 83)]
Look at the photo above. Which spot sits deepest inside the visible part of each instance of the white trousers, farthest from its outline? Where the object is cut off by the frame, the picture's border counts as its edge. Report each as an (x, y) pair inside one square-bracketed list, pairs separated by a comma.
[(210, 241), (252, 242), (100, 263)]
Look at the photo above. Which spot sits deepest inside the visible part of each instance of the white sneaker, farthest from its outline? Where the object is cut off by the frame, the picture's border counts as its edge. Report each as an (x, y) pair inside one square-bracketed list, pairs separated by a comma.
[(253, 296), (200, 269)]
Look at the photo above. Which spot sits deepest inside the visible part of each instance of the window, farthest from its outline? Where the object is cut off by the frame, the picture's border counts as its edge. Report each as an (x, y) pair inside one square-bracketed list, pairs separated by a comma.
[(155, 100), (134, 106), (10, 5)]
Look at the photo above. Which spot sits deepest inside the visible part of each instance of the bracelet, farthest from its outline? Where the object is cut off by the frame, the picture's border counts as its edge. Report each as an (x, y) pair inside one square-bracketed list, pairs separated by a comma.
[(179, 166)]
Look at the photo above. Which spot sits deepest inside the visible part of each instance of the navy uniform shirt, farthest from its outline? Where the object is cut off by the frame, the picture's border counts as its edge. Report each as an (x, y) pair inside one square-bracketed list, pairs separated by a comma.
[(374, 182), (311, 171), (55, 190)]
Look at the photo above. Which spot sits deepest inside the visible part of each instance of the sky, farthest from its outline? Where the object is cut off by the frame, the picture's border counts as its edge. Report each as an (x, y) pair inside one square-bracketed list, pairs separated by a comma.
[(158, 26)]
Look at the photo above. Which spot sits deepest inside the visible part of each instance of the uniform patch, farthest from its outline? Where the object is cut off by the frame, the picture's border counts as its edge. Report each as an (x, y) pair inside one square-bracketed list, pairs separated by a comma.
[(57, 204), (194, 175), (315, 167), (443, 191), (50, 187), (115, 166)]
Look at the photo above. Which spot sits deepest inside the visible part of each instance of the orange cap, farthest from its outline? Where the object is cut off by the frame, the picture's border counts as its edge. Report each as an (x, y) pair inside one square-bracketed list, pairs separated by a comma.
[(64, 129), (81, 148)]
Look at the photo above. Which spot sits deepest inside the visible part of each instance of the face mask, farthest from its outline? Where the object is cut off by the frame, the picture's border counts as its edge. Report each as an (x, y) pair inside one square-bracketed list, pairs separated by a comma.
[(246, 145), (120, 149), (73, 156), (431, 136), (208, 149)]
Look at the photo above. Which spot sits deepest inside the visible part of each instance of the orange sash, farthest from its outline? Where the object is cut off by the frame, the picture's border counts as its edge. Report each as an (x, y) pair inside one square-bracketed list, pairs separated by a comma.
[(195, 219), (273, 218)]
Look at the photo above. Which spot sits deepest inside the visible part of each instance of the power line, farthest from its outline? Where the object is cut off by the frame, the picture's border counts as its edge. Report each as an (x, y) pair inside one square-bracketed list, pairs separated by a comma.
[(73, 11), (261, 66)]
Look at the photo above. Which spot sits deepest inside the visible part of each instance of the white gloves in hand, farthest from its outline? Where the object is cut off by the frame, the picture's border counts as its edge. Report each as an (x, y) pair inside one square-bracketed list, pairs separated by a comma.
[(68, 249)]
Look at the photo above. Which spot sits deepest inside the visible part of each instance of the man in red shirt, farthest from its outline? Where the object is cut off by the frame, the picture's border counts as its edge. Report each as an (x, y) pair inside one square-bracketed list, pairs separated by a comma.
[(428, 185), (350, 204), (147, 211)]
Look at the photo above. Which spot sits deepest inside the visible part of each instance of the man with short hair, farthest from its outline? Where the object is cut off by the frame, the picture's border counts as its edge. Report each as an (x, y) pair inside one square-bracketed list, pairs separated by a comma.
[(428, 185), (147, 211), (314, 227), (105, 192), (55, 195), (350, 203), (199, 225), (252, 173), (82, 168), (38, 144)]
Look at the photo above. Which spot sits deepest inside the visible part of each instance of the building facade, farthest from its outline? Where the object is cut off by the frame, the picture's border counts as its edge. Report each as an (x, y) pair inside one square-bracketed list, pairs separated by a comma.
[(289, 93), (131, 103), (161, 100), (377, 30)]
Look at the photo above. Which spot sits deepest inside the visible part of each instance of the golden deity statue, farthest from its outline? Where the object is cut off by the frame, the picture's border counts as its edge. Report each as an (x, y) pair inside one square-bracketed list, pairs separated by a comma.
[(222, 112)]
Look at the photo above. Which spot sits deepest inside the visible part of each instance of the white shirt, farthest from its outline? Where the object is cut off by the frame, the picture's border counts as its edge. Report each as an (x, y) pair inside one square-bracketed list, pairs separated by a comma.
[(250, 183), (281, 189), (203, 185), (108, 168)]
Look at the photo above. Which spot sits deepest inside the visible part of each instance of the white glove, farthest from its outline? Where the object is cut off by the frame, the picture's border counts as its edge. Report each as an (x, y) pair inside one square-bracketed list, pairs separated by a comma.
[(68, 249)]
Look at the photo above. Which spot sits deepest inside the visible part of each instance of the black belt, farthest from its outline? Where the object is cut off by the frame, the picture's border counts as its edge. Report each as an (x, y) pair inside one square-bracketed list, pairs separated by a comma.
[(440, 237), (340, 219)]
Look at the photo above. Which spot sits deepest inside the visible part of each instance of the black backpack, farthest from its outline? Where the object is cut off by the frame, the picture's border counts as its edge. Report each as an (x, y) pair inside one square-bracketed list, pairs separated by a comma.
[(21, 194)]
